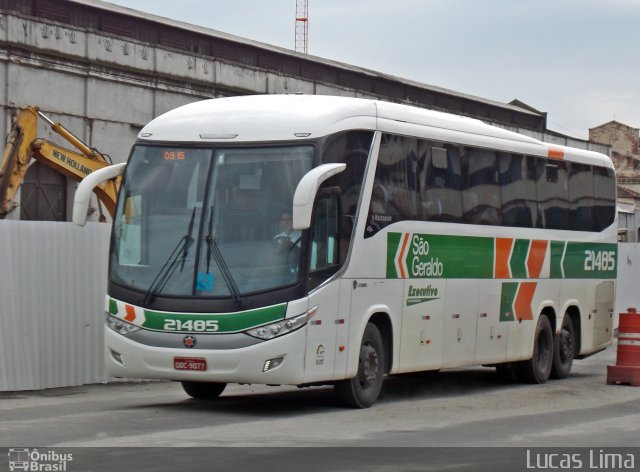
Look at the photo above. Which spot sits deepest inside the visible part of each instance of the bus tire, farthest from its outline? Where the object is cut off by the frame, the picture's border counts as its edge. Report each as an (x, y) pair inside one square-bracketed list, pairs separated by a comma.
[(538, 369), (564, 349), (363, 390), (203, 390)]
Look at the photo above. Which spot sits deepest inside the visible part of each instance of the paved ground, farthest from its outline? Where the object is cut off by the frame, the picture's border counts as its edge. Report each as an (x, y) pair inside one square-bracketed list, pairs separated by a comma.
[(463, 408)]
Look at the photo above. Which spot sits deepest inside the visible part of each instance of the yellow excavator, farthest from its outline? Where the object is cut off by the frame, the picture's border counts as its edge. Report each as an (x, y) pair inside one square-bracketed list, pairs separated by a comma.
[(23, 145)]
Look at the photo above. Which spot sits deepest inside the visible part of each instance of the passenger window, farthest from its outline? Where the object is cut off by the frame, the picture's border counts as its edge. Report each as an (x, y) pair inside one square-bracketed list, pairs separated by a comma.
[(441, 200), (394, 195), (351, 148), (581, 196), (605, 197), (518, 193), (553, 195), (481, 196)]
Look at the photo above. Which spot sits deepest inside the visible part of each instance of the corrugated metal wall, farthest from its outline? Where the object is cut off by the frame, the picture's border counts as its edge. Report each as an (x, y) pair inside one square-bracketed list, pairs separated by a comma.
[(53, 278), (627, 294)]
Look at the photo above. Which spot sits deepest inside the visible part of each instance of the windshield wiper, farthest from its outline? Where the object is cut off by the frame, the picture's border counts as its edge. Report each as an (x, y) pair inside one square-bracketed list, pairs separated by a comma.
[(179, 254), (214, 250)]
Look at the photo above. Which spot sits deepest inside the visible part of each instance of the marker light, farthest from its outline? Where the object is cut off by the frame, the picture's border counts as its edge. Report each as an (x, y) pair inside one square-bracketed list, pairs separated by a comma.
[(117, 357), (272, 363), (120, 326), (218, 136), (280, 328)]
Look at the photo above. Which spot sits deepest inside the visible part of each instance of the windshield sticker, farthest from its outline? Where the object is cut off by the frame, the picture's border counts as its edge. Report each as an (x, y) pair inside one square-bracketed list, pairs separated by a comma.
[(204, 282)]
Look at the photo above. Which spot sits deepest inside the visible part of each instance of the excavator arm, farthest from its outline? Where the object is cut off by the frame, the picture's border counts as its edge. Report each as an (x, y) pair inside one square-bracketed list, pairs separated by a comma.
[(23, 145)]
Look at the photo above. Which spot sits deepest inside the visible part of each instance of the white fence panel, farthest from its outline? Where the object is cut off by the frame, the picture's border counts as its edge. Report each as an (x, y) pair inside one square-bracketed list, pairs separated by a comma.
[(53, 278), (628, 285)]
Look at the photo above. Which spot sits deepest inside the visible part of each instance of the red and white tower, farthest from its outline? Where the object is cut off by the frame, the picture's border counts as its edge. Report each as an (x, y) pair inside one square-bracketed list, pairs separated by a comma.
[(302, 26)]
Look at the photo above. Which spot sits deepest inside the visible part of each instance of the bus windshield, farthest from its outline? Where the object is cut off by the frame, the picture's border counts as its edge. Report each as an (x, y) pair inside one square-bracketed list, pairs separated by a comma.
[(208, 222)]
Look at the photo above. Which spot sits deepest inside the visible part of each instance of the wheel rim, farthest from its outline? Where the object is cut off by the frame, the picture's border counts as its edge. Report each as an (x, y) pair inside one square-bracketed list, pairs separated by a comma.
[(566, 345), (370, 366)]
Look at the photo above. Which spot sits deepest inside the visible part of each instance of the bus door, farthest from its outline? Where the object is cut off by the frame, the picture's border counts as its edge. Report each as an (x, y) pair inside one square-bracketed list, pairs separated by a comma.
[(326, 301)]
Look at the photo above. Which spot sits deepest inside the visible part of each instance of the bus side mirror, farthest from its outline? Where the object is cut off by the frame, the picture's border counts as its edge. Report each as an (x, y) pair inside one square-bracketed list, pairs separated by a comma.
[(84, 190), (306, 190)]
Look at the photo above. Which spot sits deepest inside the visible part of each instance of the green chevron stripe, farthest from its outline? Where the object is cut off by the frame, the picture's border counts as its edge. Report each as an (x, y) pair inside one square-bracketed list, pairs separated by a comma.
[(518, 261), (507, 298), (557, 252)]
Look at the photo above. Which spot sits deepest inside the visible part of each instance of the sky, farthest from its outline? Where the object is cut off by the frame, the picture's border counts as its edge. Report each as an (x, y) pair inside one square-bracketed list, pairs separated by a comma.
[(577, 60)]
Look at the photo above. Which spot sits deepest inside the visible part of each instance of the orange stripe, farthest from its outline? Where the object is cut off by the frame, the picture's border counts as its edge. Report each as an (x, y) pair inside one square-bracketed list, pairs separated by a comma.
[(555, 153), (503, 251), (522, 305), (400, 257), (131, 313), (536, 258)]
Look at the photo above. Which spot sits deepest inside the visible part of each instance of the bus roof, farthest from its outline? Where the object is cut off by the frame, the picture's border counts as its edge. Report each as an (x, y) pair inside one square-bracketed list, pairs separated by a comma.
[(264, 118)]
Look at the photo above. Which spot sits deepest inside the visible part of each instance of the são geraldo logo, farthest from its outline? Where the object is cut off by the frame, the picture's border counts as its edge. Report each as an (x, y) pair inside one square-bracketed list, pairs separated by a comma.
[(38, 461)]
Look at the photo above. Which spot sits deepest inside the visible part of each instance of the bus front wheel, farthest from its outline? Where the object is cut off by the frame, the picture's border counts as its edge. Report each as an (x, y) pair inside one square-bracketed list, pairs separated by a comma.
[(537, 369), (203, 390), (363, 390)]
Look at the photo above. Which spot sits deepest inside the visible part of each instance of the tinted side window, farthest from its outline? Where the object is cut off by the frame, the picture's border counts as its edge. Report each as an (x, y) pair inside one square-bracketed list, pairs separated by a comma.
[(351, 148), (481, 195), (581, 197), (394, 196), (604, 184), (434, 181), (519, 206), (553, 194), (442, 199)]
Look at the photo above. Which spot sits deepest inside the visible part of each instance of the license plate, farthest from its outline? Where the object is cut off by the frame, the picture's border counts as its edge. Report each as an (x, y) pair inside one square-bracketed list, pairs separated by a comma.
[(189, 363)]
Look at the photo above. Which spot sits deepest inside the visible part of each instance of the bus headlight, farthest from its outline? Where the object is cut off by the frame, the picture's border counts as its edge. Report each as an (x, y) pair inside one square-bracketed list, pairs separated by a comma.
[(120, 326), (279, 328)]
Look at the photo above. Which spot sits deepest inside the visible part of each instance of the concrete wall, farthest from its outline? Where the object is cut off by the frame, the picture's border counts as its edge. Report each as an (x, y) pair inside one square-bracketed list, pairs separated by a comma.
[(104, 88)]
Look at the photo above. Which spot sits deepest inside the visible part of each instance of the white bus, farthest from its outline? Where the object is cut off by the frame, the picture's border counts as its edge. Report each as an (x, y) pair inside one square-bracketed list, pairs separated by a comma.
[(308, 240)]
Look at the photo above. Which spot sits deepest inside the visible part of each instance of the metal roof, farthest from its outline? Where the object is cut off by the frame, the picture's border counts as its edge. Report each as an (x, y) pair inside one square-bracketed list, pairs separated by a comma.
[(110, 7)]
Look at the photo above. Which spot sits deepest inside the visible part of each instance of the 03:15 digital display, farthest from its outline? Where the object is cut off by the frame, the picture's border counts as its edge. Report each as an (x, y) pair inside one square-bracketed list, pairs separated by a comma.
[(175, 155)]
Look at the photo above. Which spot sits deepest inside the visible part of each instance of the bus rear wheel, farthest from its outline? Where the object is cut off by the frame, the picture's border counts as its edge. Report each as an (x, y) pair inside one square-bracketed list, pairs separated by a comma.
[(564, 350), (203, 390), (538, 369), (364, 389)]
